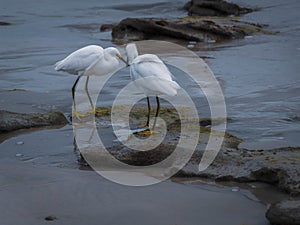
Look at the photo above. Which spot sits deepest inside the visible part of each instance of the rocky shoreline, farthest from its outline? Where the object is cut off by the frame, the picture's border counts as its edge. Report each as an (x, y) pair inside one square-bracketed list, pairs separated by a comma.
[(12, 121), (278, 167), (234, 162)]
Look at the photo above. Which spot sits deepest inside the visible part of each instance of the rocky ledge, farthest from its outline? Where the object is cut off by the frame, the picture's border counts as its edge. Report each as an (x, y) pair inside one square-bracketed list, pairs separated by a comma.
[(277, 166), (190, 28), (284, 213), (214, 8), (2, 23), (11, 121)]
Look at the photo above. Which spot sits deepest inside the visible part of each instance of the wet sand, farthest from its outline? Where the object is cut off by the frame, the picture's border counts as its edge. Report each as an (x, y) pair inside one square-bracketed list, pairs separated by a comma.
[(31, 193)]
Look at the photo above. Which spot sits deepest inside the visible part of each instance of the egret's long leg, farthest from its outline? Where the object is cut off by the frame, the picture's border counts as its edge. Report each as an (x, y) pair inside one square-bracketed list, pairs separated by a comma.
[(157, 112), (149, 131), (148, 115), (94, 110), (149, 109), (73, 91), (86, 89)]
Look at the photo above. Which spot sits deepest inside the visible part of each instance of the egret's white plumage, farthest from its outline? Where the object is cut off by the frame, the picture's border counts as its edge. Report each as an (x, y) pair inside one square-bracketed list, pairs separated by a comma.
[(90, 60), (77, 62), (151, 76)]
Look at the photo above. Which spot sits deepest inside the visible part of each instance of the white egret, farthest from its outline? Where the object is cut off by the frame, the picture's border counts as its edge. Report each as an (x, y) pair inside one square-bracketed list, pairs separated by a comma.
[(87, 61), (152, 77)]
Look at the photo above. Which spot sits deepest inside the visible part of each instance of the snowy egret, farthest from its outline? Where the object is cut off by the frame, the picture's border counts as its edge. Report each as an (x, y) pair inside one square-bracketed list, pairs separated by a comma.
[(87, 61), (152, 77)]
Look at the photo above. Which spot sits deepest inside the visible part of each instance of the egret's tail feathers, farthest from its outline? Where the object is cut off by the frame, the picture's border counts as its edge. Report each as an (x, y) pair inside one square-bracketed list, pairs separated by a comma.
[(62, 66), (175, 85), (58, 65), (172, 89)]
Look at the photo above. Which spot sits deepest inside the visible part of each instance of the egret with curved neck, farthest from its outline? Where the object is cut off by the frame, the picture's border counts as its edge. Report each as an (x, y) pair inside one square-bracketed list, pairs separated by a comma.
[(87, 61)]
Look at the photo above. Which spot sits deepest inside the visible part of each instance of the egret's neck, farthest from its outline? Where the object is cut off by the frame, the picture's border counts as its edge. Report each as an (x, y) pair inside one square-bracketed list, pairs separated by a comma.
[(132, 52)]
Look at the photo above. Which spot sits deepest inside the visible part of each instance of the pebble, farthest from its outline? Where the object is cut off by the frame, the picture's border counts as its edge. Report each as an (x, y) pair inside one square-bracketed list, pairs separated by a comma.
[(211, 41), (20, 143), (193, 42), (50, 218), (235, 189)]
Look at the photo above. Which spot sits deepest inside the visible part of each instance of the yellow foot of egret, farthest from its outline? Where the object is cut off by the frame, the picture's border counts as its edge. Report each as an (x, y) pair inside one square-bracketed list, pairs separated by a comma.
[(100, 111), (146, 132), (80, 115)]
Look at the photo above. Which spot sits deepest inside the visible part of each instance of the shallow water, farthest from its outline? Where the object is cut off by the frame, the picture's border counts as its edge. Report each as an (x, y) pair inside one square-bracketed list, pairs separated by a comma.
[(259, 74)]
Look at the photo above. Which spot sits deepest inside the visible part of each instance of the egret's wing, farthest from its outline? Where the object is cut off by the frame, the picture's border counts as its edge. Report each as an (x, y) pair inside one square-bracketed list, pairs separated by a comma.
[(80, 60), (149, 65), (90, 69), (157, 86), (152, 76)]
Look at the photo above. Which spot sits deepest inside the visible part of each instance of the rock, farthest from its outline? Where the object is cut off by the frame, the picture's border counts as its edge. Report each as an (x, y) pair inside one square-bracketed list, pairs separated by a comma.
[(50, 218), (279, 167), (106, 27), (20, 143), (284, 213), (187, 28), (10, 121), (214, 8), (4, 23), (268, 174)]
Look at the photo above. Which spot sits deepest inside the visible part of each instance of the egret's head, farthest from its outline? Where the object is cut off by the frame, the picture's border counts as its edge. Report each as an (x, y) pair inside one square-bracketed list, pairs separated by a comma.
[(132, 52), (113, 52)]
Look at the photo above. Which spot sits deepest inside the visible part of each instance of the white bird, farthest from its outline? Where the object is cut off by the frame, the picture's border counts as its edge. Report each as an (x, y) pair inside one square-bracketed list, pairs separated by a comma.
[(151, 76), (87, 61)]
